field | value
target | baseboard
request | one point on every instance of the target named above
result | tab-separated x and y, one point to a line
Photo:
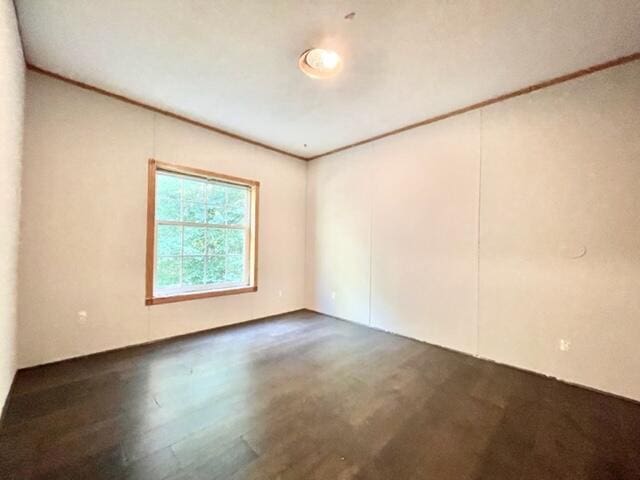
310	310
162	340
479	357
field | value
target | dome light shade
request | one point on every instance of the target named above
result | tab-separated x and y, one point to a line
320	63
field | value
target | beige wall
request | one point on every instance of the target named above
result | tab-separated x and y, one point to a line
11	112
465	233
84	221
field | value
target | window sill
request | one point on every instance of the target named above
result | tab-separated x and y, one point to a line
197	295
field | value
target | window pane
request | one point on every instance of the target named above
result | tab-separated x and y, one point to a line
215	241
234	215
169	240
215	214
236	206
193	190
235	241
216	194
236	195
168	272
168	186
193	212
194	240
235	268
215	269
193	270
167	208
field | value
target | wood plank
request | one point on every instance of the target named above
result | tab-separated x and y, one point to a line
307	396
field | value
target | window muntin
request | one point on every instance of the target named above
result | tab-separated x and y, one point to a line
202	231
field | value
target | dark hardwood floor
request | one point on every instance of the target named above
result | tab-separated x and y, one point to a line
303	396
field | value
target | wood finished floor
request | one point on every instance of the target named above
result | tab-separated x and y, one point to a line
303	396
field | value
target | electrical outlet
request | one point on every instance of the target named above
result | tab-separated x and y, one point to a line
82	316
565	345
280	293
333	295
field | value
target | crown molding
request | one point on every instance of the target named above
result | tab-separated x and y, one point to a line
159	110
500	98
459	111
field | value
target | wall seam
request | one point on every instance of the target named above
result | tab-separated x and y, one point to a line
480	154
153	155
305	263
153	138
370	243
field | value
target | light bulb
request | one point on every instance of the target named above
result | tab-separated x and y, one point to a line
320	63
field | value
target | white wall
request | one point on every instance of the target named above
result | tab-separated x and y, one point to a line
392	230
561	173
11	117
84	223
462	233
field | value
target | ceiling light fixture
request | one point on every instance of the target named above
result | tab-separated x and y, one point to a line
320	63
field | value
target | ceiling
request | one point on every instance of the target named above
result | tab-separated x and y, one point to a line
232	64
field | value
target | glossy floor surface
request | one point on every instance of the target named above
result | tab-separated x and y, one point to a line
303	396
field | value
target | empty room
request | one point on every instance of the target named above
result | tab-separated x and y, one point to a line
320	240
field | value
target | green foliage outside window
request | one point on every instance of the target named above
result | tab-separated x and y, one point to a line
201	236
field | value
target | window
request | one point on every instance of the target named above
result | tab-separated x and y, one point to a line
201	234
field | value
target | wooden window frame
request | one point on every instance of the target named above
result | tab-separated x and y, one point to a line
254	186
